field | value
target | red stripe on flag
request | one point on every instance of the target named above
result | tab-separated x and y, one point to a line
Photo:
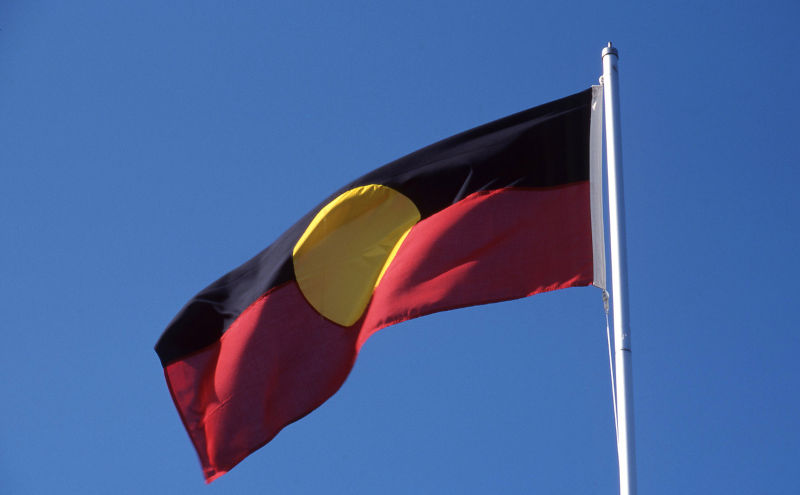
280	359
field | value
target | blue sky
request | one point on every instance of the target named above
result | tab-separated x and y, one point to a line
146	148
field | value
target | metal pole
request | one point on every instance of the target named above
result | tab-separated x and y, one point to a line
619	276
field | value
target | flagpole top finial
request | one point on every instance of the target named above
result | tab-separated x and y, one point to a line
610	50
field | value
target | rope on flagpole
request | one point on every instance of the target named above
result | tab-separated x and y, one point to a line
611	364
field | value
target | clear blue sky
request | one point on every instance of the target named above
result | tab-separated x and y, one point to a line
146	148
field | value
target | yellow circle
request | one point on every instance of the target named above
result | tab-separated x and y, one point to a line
344	252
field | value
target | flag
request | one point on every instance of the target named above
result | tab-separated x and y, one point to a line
506	210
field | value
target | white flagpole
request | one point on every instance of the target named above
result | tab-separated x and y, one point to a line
619	276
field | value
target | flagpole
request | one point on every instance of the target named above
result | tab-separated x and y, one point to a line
619	276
